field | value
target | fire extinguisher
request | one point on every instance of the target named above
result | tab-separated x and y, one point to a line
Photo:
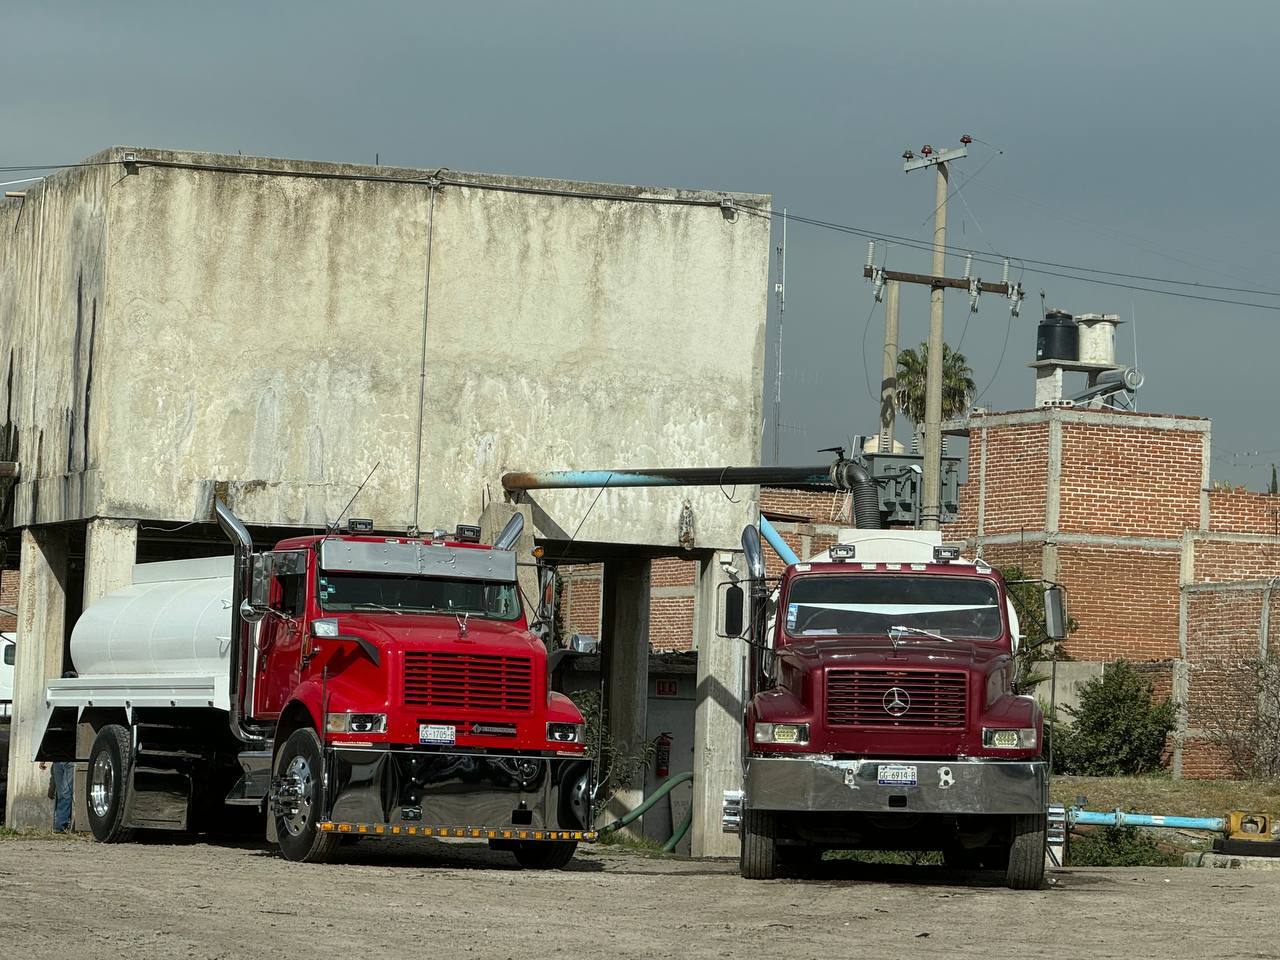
662	756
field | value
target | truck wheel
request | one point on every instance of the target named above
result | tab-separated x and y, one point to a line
545	855
759	859
1026	852
299	772
109	786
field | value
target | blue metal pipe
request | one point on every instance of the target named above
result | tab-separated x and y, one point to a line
1118	818
775	540
802	477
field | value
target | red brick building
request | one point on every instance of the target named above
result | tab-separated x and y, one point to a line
1160	567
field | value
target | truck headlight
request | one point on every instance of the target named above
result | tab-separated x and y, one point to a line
566	733
324	628
782	733
356	723
999	739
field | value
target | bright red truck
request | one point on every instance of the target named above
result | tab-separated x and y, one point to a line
352	684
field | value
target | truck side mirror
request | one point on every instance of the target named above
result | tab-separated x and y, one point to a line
255	605
1055	613
733	620
546	594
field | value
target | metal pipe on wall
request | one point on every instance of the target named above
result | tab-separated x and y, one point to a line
817	476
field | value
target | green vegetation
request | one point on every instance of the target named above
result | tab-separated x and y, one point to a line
1161	794
1027	595
1120	847
1118	728
957	382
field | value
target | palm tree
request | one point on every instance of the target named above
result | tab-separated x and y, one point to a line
957	382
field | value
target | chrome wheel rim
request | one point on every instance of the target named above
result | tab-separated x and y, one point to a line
101	777
301	787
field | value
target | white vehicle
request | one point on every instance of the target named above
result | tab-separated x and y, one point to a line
8	644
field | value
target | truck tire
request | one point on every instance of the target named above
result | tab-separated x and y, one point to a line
759	860
109	785
1026	852
300	767
545	855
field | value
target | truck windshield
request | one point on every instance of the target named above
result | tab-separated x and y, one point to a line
870	605
367	591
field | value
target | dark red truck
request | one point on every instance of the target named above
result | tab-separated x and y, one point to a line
880	711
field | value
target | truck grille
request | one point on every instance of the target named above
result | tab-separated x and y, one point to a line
468	681
880	698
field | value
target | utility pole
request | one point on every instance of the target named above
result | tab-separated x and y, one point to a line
780	288
931	495
889	368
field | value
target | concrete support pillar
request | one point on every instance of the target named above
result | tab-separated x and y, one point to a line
110	551
625	625
717	728
42	604
492	520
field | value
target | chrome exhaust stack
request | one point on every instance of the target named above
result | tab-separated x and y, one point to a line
243	617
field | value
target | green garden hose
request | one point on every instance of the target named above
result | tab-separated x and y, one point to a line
668	785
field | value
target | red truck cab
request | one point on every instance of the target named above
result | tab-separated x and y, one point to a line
409	696
880	713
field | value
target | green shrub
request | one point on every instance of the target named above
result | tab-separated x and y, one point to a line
1028	599
1119	847
1118	730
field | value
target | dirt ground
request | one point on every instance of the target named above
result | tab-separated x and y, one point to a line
63	898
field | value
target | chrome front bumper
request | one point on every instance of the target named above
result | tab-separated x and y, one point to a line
941	786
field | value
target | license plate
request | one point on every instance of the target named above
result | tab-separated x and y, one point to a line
441	733
896	775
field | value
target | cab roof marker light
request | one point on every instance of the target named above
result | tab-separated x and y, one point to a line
919	566
803	567
867	566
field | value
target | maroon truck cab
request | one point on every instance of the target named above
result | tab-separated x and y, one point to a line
880	714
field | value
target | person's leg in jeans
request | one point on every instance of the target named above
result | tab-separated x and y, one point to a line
64	779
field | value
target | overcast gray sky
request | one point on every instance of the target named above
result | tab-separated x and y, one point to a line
1135	137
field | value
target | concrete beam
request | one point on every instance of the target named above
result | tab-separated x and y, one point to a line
717	736
625	625
42	605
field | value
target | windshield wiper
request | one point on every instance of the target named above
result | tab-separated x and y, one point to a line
896	634
378	606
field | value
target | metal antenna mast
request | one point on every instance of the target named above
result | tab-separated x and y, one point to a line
780	288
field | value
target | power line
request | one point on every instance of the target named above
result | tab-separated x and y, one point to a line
982	258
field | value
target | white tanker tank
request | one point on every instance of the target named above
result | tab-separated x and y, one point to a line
171	627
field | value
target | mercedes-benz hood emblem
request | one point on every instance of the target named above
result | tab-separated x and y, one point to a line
896	701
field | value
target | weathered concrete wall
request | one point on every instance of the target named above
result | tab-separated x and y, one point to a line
265	332
53	253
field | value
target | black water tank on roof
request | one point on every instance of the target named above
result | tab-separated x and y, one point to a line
1058	337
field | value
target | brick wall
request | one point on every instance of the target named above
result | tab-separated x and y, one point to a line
671	602
1130	481
1017	475
814	507
1241	511
9	598
1125	601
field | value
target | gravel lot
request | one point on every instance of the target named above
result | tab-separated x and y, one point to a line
63	898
